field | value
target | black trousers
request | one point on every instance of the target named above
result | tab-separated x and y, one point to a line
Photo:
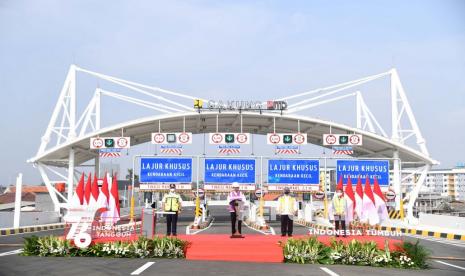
287	225
233	223
342	222
171	223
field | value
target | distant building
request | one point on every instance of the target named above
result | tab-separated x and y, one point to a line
37	196
448	183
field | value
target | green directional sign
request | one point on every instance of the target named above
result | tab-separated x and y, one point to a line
109	143
287	139
229	138
343	139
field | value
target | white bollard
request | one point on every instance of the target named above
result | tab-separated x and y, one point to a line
253	212
308	212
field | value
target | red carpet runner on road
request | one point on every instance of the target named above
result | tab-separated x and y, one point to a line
253	248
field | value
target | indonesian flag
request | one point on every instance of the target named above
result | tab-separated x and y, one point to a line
87	190
370	214
94	193
114	201
78	196
350	199
104	197
359	199
339	184
380	202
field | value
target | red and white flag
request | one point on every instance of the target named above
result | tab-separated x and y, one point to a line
380	202
94	193
370	213
359	199
104	198
350	199
88	190
114	201
78	196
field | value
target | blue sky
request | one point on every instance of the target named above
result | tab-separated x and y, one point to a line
248	49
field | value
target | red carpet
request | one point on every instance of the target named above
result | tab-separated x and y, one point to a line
253	248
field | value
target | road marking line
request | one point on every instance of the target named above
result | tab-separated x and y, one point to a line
330	272
201	230
259	231
456	266
142	268
439	240
17	251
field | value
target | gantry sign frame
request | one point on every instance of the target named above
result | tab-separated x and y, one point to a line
65	143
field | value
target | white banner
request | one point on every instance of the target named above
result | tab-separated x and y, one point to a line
227	188
150	187
297	188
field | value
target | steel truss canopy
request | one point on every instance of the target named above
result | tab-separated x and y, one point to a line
66	141
140	132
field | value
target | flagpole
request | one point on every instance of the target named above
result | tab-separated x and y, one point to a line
131	213
326	195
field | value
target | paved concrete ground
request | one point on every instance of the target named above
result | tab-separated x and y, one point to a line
19	265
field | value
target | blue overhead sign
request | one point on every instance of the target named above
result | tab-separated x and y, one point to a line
163	170
294	171
230	170
355	169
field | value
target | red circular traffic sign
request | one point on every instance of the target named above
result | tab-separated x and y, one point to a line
217	138
299	139
390	195
241	138
331	139
274	139
201	193
354	140
97	143
184	138
122	142
319	195
159	138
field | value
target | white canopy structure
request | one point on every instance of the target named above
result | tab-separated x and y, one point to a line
66	142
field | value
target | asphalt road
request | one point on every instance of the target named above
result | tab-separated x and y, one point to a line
19	265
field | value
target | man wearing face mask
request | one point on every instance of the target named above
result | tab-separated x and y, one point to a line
339	210
172	202
287	208
236	201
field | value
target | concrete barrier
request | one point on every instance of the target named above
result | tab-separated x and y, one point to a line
29	218
443	221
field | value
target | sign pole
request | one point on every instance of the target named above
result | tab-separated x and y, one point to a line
326	192
131	212
197	199
17	212
261	188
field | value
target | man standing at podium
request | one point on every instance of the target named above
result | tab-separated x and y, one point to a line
236	201
172	202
